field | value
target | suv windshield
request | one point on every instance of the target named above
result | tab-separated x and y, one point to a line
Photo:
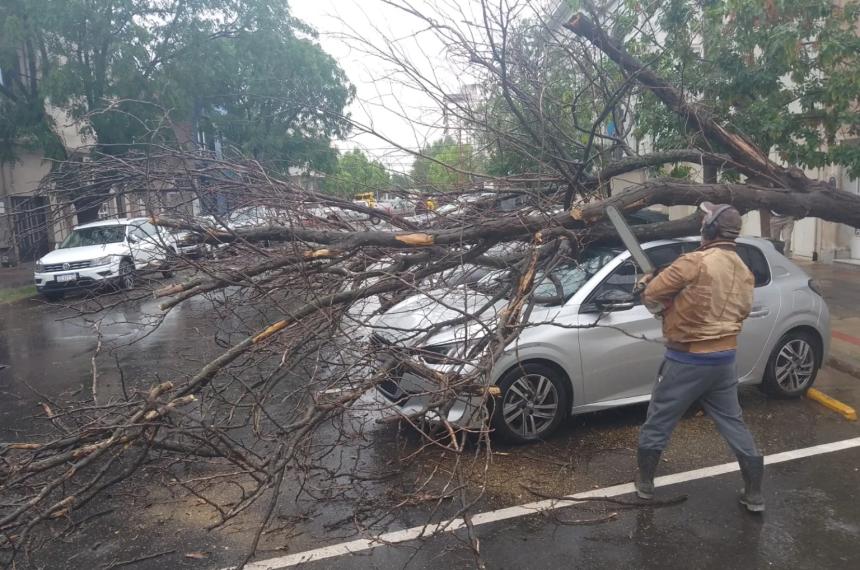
98	235
563	281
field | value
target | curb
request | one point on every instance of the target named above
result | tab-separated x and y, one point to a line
843	365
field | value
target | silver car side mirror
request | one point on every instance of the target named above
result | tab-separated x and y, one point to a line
615	300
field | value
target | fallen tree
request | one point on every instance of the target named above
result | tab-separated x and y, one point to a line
289	285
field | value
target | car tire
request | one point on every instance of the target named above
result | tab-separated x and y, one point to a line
54	296
792	366
170	263
534	401
126	275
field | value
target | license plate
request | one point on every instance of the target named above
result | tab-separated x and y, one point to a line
66	277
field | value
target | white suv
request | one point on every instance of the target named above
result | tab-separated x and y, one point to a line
104	253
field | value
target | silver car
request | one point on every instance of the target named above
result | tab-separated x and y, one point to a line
593	345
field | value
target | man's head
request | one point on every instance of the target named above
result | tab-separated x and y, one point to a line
721	221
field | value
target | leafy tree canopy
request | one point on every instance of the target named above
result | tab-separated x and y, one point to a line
786	73
245	69
356	174
444	165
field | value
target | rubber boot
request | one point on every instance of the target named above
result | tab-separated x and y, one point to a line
752	470
648	459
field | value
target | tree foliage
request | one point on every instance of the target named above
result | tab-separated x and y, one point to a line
245	69
444	165
355	173
786	73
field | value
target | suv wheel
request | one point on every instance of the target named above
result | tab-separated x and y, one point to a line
792	366
533	403
126	275
169	264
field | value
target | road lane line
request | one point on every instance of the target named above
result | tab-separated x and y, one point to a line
527	509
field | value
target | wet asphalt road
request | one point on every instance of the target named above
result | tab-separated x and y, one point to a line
811	523
814	509
49	352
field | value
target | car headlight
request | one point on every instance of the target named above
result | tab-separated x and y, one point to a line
445	353
39	266
106	260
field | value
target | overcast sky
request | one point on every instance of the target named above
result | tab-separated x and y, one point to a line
381	102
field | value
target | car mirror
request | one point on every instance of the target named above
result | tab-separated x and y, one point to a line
130	239
615	300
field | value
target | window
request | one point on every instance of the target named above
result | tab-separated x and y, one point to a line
137	232
624	276
755	260
564	280
98	235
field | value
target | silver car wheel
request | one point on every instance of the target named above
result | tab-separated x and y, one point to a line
795	365
126	275
530	405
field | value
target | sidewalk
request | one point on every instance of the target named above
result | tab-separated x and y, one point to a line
840	285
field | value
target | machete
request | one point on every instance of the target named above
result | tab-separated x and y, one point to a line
628	238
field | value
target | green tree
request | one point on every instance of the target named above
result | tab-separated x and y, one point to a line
356	174
787	73
444	165
242	68
23	118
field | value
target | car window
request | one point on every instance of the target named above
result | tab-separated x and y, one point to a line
154	232
569	277
755	260
665	255
624	276
137	231
98	235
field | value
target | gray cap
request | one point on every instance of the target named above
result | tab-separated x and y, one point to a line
728	219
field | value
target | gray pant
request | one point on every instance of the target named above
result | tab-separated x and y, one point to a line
781	228
678	386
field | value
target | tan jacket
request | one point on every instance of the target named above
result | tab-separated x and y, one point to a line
704	297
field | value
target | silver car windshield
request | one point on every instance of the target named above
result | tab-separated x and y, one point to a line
563	281
98	235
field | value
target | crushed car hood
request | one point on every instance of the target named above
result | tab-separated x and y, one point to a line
408	321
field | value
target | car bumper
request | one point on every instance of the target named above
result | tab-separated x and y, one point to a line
84	279
193	250
410	395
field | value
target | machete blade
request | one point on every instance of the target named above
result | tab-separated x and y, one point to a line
628	238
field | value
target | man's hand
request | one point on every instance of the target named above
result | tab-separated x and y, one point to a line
643	282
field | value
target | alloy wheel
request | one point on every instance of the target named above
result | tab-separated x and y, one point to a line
127	275
530	405
795	365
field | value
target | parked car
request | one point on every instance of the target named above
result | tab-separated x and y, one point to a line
251	216
105	253
189	244
592	345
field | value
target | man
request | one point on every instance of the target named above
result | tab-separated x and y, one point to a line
781	228
703	298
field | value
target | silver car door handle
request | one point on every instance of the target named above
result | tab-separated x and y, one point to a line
758	312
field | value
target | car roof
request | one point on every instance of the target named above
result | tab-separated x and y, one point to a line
112	222
751	240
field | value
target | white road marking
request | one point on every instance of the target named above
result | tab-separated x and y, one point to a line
530	508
